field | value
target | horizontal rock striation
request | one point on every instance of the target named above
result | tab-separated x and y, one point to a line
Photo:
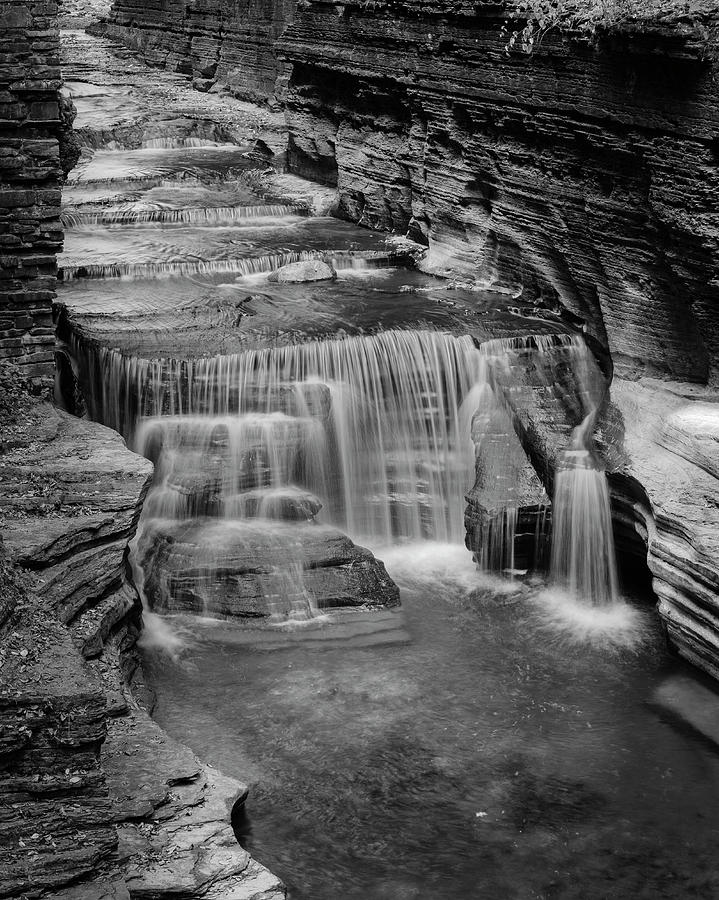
35	153
586	175
95	801
231	44
668	442
243	569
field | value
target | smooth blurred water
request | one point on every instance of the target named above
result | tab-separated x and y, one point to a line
496	755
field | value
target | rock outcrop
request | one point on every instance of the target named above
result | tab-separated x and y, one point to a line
97	801
71	496
35	127
585	174
666	439
245	569
219	44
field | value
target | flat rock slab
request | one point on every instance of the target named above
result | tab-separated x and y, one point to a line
690	703
173	817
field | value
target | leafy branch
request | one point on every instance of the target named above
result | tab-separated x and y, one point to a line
587	17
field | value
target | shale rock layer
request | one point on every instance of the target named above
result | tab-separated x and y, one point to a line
34	124
585	174
232	44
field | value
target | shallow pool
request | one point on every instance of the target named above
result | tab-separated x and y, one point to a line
492	755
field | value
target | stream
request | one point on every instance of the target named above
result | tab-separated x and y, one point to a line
486	740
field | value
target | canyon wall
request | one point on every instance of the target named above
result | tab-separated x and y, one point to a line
34	123
585	175
230	43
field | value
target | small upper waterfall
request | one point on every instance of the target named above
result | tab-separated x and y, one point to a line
583	558
558	376
208	215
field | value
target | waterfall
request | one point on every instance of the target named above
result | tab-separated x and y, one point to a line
178	143
583	559
544	382
372	425
254	265
193	215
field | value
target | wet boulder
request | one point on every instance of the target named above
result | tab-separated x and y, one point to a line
307	270
254	569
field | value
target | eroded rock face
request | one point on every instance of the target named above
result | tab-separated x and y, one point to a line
230	44
36	151
584	174
668	441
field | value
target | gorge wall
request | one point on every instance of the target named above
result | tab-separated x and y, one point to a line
582	175
95	801
586	175
228	43
34	124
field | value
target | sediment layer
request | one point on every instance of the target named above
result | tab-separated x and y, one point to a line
37	150
230	45
586	174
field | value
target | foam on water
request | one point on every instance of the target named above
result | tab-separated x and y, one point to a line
618	626
158	633
448	567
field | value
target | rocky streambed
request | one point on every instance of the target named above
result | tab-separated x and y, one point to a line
195	263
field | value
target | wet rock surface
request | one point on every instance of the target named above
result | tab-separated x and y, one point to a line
669	440
221	45
586	174
239	569
303	271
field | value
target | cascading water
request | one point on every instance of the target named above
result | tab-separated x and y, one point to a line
559	373
370	430
583	558
370	424
212	215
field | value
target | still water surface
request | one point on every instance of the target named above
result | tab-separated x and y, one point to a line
493	755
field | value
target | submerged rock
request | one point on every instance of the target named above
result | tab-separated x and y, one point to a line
286	504
307	270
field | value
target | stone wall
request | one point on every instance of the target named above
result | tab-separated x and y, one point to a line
231	43
32	122
587	175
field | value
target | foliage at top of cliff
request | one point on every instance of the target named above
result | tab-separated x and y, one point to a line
696	19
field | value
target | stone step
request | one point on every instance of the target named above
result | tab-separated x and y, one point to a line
340	628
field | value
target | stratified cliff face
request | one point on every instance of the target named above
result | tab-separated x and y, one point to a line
586	174
232	43
34	125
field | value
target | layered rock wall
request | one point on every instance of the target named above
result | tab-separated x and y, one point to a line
585	174
231	43
33	121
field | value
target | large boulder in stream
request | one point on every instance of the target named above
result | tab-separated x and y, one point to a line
307	270
256	569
